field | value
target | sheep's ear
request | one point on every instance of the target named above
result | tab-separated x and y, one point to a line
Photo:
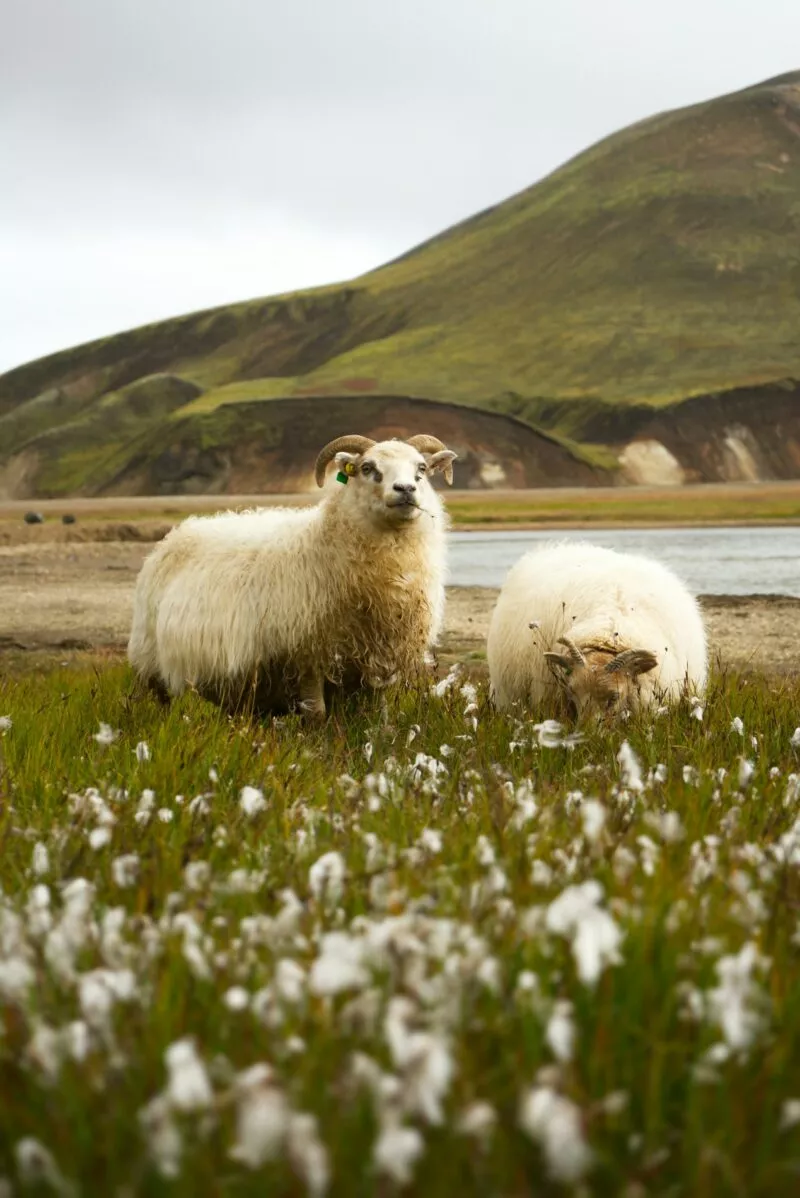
632	662
558	661
343	458
443	460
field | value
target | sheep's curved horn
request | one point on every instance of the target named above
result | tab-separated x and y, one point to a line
350	444
632	662
433	447
573	652
425	443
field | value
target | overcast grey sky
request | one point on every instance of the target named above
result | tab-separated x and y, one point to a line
159	156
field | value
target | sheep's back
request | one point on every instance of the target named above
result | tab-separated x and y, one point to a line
597	596
232	590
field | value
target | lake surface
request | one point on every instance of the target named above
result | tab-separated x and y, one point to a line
712	561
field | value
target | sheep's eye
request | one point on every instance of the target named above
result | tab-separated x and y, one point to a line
367	468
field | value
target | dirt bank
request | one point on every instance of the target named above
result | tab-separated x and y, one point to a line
62	598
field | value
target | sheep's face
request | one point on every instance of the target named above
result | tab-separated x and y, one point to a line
389	482
596	682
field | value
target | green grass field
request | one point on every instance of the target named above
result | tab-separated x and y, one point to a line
629	508
431	947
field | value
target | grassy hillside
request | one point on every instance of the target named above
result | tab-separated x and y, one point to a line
662	263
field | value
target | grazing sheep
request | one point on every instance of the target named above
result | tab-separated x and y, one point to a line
629	632
274	603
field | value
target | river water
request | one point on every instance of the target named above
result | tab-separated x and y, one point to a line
712	561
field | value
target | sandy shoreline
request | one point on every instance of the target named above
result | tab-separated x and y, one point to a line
73	597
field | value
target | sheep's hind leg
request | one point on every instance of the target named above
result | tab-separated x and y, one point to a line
311	696
154	687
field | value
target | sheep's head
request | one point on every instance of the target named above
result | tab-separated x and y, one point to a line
388	480
598	680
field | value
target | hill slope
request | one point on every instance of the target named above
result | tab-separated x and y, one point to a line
660	266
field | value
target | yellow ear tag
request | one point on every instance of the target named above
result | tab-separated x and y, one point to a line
345	475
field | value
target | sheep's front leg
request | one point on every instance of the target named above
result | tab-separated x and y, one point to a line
311	695
155	687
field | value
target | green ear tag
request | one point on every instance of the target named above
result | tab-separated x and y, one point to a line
341	477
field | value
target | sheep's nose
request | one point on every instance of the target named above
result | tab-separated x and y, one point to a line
404	488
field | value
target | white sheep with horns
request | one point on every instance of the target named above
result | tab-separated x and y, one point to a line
270	605
597	629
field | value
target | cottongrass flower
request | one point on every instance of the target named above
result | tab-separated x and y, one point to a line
629	768
125	870
36	1166
145	806
555	1124
100	989
440	689
795	740
99	838
251	801
326	878
236	998
430	840
196	875
550	735
162	1136
560	1031
308	1154
40	863
667	824
790	1114
7	723
290	981
142	751
792	792
737	726
396	1152
424	1060
593	818
188	1086
106	735
738	1005
746	771
262	1118
478	1121
594	936
16	980
339	966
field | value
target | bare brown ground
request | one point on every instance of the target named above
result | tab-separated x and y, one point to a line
148	516
124	504
62	600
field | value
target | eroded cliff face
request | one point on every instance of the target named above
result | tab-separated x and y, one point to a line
273	446
747	435
264	446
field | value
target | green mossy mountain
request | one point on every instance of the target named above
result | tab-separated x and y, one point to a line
647	292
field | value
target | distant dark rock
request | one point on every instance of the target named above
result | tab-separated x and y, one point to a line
33	518
68	518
